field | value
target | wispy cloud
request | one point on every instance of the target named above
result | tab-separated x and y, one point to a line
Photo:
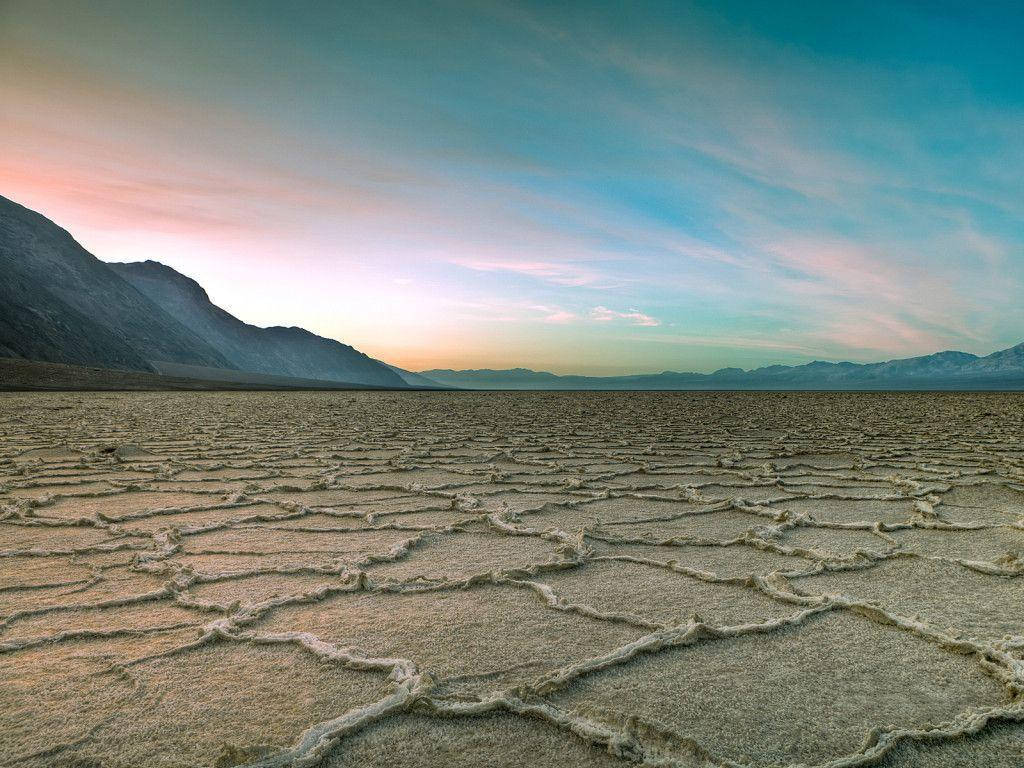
632	316
566	274
555	315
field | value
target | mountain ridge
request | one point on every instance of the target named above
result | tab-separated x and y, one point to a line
949	369
278	350
61	304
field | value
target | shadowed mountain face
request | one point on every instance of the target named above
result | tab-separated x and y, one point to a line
943	370
277	350
59	303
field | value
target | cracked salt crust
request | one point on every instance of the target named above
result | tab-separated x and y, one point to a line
424	579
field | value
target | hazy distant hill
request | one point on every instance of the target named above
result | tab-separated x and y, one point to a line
276	350
59	303
943	370
413	379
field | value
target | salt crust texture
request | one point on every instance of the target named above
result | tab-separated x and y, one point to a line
544	579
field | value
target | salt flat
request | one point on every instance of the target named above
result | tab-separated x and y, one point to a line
491	579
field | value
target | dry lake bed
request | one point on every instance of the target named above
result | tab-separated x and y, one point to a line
499	579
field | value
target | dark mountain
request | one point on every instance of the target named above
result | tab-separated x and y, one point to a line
276	350
943	370
59	303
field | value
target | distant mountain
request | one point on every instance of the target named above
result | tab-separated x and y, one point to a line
276	350
60	304
943	370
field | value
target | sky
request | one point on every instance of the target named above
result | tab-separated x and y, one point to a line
583	187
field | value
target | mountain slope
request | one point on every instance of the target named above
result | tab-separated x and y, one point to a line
59	303
279	351
944	370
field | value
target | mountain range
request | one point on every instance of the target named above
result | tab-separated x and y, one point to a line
60	304
943	370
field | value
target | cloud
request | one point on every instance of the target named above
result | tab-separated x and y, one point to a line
566	274
554	315
633	316
497	309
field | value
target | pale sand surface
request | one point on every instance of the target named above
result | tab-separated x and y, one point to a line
505	579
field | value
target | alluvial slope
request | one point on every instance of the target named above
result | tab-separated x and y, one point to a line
279	351
468	579
61	304
18	375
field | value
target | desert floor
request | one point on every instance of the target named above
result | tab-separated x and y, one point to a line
492	579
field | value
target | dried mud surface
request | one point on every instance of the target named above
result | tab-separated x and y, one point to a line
492	579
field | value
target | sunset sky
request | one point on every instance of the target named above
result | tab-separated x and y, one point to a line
576	187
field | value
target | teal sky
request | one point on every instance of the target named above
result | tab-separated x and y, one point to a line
576	187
